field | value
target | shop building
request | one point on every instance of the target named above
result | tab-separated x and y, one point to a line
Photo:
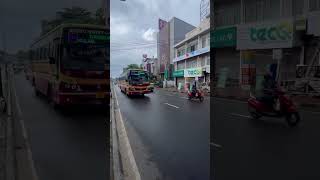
192	56
170	33
248	35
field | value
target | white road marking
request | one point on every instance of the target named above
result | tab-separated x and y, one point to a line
244	102
127	142
240	115
172	105
184	97
230	100
215	145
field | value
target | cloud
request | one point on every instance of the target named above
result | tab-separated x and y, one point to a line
134	24
149	35
117	27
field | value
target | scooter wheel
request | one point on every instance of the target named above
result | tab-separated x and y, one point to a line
253	113
293	119
201	99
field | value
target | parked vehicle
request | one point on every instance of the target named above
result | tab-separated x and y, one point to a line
283	108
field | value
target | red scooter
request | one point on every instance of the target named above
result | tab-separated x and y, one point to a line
198	95
284	107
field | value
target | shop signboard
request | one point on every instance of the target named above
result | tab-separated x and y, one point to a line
224	37
193	72
270	35
178	73
192	54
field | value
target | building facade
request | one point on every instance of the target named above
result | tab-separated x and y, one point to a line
250	35
150	65
170	33
192	56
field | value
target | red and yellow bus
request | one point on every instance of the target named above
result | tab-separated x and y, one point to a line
70	65
134	82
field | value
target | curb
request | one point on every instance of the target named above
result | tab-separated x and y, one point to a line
126	158
24	161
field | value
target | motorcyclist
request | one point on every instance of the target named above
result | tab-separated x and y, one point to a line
268	89
194	89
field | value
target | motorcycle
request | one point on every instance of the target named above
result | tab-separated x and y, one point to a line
282	108
197	95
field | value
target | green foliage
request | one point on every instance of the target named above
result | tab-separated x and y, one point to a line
132	66
75	15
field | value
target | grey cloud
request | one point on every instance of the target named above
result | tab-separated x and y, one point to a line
140	15
20	19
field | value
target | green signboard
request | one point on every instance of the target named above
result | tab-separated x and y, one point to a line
178	73
224	37
193	72
166	74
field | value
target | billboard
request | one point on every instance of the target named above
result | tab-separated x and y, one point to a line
163	45
276	34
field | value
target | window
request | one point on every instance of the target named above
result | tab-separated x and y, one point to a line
203	41
203	61
180	52
192	48
297	8
192	63
227	14
180	65
208	60
314	5
261	10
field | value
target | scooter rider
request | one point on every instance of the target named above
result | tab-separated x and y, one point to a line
269	86
194	89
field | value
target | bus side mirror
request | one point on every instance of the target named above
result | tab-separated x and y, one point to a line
52	60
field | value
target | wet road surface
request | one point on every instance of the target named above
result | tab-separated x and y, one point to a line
266	149
70	144
173	131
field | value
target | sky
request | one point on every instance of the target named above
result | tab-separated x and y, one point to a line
20	19
134	24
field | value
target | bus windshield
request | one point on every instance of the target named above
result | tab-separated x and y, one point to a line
85	50
138	77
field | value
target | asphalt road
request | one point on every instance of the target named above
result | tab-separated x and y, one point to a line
169	135
70	144
266	149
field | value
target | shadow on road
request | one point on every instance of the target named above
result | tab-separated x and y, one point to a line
85	111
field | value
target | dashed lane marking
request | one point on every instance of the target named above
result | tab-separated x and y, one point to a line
184	98
172	105
240	115
215	145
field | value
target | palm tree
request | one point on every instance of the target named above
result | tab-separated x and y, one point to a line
73	15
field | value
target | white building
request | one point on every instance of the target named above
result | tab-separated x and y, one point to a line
192	56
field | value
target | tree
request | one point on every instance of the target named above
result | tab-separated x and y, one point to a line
76	15
132	66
